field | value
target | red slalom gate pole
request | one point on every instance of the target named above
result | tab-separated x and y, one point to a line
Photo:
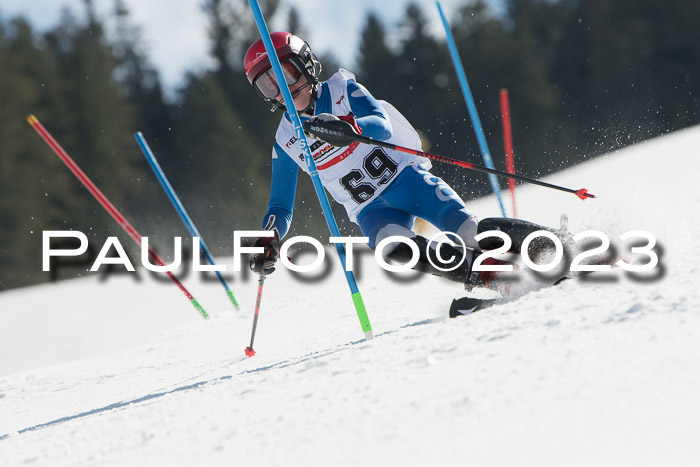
508	144
106	204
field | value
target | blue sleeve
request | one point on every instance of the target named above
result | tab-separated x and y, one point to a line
282	191
368	112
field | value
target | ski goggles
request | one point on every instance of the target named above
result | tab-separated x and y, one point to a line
266	83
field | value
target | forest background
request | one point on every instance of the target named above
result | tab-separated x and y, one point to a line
584	78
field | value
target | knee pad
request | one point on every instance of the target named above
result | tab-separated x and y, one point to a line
468	230
390	230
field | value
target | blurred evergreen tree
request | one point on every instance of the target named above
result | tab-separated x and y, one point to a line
139	80
583	77
91	115
376	63
631	69
31	197
220	168
294	24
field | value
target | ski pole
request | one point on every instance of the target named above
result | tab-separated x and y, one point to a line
186	219
340	134
249	350
293	115
471	108
106	204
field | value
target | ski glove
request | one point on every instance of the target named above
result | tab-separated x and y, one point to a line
264	263
353	123
329	121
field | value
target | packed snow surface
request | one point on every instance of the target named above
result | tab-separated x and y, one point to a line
596	371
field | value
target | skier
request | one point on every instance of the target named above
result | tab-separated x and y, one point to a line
382	190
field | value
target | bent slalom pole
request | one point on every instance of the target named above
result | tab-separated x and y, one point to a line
471	107
311	164
107	205
249	350
186	219
340	134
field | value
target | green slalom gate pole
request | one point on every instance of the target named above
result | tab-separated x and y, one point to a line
311	164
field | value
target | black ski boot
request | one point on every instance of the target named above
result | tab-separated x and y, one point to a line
518	230
454	263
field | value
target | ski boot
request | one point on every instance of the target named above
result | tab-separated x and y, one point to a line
518	230
451	262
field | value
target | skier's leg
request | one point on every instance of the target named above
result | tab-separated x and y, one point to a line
424	195
417	192
380	222
430	198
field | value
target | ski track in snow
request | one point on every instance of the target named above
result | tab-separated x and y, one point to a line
595	371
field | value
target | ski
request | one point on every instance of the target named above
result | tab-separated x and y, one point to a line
468	305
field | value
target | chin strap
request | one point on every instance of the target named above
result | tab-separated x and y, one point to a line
274	104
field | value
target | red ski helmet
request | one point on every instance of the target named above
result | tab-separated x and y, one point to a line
296	58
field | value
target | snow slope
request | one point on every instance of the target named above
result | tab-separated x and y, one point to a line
592	372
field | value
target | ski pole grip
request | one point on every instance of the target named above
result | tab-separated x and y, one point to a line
336	132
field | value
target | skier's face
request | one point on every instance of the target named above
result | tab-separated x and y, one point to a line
301	93
298	82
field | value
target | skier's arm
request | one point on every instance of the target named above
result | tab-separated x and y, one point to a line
368	112
282	191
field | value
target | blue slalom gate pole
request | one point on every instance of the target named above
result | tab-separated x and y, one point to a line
311	164
181	210
471	106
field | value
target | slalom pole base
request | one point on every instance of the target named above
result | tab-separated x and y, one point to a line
199	308
233	300
369	335
249	351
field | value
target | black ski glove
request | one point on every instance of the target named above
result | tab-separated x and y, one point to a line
264	263
339	132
